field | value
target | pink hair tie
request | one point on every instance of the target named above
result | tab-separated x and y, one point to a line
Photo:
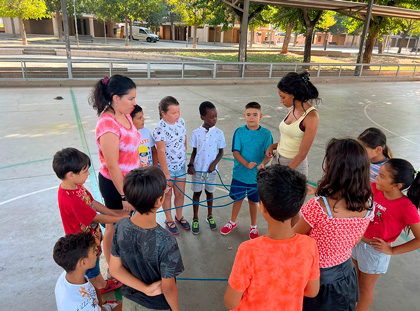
105	80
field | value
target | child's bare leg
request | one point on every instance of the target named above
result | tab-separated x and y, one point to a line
366	286
196	198
236	207
209	203
98	281
253	212
167	205
107	241
179	196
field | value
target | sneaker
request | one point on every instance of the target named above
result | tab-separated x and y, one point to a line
110	286
228	228
195	229
211	222
253	233
183	222
171	227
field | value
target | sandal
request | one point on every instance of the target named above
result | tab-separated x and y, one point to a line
183	222
171	227
110	286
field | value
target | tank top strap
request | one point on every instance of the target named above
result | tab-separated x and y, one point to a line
327	206
307	112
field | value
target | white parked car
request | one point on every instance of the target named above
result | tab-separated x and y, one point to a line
144	34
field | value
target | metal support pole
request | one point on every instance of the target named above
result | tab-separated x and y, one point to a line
75	22
364	35
380	69
271	71
23	69
214	71
110	69
319	71
339	73
244	33
66	37
148	70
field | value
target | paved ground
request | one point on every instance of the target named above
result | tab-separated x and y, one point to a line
34	126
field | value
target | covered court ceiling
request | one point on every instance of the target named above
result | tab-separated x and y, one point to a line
345	7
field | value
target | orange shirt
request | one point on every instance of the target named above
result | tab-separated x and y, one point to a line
273	274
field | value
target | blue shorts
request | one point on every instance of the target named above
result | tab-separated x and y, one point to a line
181	173
93	272
239	190
369	260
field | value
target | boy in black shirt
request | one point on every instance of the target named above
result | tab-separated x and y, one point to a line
142	251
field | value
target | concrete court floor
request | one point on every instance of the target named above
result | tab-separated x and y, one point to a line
34	126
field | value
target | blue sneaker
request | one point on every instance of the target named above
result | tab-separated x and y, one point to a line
171	227
211	222
183	222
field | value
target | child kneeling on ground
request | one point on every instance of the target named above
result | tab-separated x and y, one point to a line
275	271
144	256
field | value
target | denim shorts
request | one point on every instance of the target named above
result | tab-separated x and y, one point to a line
369	260
239	190
181	173
93	272
207	180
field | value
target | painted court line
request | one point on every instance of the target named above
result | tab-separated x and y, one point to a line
27	195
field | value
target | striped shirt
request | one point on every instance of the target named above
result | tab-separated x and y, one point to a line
374	169
128	157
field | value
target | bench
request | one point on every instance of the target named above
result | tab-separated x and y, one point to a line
86	38
191	39
332	43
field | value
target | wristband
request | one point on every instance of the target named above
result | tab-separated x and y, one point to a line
190	165
123	198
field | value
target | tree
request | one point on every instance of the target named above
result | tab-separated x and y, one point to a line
310	18
23	10
405	27
55	6
218	15
326	23
192	12
285	18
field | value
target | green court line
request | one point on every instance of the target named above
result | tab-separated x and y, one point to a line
25	163
92	177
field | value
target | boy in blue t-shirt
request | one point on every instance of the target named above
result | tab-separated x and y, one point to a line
147	148
249	145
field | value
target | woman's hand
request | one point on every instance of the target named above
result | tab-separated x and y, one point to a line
269	153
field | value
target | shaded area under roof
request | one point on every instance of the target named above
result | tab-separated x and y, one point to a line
345	7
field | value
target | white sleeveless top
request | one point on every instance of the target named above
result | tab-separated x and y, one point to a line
291	136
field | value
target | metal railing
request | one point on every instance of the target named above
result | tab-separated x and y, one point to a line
50	69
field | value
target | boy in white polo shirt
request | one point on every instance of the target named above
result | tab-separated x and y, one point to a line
207	142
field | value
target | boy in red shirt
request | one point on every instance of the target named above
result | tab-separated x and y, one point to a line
78	209
275	271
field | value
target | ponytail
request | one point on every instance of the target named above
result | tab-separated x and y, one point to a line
403	172
105	89
374	137
300	86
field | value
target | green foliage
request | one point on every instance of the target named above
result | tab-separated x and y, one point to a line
24	9
327	21
191	11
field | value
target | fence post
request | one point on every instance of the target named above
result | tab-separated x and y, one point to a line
243	70
380	69
295	67
271	70
23	68
398	71
110	69
319	71
148	71
361	70
414	72
182	72
339	73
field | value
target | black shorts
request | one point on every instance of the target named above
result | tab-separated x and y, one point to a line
338	291
112	197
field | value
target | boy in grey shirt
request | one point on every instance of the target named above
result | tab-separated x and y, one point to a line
142	251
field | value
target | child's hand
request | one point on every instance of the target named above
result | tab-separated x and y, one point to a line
154	289
269	153
127	207
191	170
212	168
381	246
251	165
261	166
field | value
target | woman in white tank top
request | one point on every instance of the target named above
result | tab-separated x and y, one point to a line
298	129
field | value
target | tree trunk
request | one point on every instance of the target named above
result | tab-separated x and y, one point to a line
131	30
23	31
308	44
401	43
172	29
295	39
215	35
370	43
58	19
195	37
287	37
352	40
126	31
13	27
380	47
325	41
251	40
105	31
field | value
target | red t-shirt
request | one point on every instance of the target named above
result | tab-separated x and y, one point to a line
129	141
391	216
76	209
273	274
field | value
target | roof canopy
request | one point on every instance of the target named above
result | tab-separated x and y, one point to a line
345	7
